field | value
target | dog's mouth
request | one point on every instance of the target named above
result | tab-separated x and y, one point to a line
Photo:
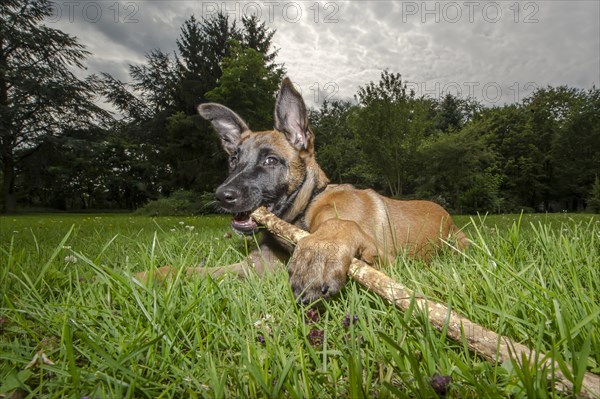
243	223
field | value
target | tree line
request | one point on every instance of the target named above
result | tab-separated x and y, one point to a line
542	154
60	150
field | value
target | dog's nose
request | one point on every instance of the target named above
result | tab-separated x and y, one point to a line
227	196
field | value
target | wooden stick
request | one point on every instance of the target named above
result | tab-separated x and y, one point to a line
486	343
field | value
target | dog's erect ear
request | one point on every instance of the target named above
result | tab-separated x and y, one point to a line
291	117
226	122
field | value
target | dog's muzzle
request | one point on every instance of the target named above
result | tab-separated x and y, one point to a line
231	199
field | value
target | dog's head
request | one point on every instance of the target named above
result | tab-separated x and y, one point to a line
267	167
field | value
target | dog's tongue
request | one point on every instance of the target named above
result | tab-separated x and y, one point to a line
243	222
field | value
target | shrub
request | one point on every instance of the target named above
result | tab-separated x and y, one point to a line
180	203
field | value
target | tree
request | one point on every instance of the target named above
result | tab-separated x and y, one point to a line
338	150
247	86
195	157
508	132
453	112
201	46
594	196
129	174
258	37
458	170
390	125
206	47
64	173
389	89
575	149
547	110
39	95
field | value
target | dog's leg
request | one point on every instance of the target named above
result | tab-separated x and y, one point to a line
319	265
166	272
260	261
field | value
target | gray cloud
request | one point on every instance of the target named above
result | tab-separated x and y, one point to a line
477	48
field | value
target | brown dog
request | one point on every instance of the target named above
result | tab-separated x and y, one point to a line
277	169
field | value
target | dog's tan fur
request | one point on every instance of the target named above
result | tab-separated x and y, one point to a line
344	222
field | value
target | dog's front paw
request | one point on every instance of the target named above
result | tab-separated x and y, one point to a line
318	268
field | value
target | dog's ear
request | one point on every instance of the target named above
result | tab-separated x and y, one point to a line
226	122
291	117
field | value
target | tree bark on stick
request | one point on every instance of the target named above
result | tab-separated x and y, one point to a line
486	343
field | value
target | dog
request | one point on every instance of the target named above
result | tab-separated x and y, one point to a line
277	169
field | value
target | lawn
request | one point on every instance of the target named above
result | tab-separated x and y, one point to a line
73	323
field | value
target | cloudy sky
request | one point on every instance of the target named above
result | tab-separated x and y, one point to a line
497	51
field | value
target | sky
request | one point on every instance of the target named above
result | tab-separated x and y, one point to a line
495	51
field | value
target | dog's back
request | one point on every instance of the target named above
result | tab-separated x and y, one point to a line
417	228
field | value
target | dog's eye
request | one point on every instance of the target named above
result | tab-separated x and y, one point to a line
233	159
271	161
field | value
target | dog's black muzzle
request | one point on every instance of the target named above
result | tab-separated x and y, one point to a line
240	204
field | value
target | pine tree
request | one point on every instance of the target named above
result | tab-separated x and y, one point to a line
39	95
248	87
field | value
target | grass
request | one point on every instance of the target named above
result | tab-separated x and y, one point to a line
67	297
